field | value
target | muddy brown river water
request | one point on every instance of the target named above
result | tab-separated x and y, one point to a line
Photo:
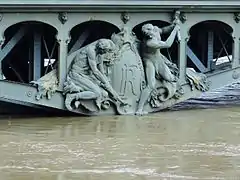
198	139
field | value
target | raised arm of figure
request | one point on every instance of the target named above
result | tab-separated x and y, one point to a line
167	29
164	44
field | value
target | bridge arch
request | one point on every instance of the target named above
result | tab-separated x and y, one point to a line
172	52
139	18
29	51
13	19
210	44
88	32
198	21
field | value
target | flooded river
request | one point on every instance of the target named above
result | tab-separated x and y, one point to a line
198	139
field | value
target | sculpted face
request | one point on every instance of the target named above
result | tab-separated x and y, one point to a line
148	30
105	45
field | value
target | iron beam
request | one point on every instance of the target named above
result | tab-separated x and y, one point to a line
25	94
62	64
210	50
12	43
195	60
82	38
37	59
236	51
182	63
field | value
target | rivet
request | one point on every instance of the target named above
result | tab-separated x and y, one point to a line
236	75
29	93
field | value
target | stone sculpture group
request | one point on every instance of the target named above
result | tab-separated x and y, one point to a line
122	74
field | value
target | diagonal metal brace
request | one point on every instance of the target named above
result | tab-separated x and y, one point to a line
195	60
12	42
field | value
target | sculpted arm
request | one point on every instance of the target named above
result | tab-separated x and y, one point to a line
101	68
101	77
167	29
93	65
163	44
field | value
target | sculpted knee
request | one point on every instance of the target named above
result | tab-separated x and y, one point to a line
104	93
169	77
97	92
151	86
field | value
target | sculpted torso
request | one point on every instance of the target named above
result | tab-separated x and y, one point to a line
150	53
81	61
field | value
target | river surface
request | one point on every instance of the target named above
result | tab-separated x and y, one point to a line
197	139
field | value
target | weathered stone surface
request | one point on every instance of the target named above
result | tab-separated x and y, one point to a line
124	75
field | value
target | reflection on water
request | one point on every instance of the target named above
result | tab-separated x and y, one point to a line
186	144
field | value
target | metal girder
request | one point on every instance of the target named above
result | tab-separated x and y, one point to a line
49	55
37	56
210	49
222	78
26	94
82	38
195	60
217	80
13	42
223	47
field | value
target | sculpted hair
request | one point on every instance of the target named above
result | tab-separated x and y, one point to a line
105	44
155	28
146	25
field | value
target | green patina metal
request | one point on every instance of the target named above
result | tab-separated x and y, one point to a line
116	57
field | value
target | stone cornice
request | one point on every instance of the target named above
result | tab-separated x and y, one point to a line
115	6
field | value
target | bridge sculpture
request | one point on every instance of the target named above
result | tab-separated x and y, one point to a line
123	68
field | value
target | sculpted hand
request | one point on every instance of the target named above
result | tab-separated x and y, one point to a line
177	27
176	22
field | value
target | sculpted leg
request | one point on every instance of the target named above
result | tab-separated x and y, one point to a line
166	74
94	88
85	95
151	81
90	90
88	85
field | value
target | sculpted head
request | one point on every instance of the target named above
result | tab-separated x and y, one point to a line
104	46
149	30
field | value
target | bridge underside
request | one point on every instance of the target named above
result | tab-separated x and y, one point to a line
42	55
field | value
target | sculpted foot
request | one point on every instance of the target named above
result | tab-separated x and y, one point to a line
124	103
77	104
140	112
98	103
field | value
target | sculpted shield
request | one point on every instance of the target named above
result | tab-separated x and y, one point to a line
127	77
